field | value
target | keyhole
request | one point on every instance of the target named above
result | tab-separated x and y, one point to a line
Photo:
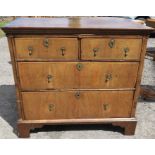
50	107
62	51
105	106
126	50
77	95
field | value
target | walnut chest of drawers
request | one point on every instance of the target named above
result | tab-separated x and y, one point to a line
77	70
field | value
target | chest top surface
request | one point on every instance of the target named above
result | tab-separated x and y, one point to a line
76	25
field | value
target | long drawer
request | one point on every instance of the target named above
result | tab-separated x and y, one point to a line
111	48
84	75
76	104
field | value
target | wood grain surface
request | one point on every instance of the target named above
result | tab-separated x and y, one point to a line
58	48
99	48
76	25
81	70
65	75
66	104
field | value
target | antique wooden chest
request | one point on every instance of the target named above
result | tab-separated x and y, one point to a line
81	70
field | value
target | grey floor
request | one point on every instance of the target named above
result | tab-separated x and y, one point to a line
8	112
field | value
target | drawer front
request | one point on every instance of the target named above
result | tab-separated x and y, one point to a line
68	75
46	48
110	48
77	104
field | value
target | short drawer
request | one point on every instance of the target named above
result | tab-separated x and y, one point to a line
68	75
110	48
76	104
46	48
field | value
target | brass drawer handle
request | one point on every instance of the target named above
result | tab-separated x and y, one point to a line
95	50
126	50
45	43
30	49
112	43
62	49
79	66
77	95
49	78
50	107
105	106
108	77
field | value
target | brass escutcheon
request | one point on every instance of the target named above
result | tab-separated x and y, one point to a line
108	77
126	50
77	95
62	49
79	66
95	50
45	43
112	43
50	107
105	106
49	78
30	49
